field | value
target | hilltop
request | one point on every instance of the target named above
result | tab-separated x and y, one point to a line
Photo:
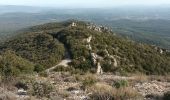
78	60
89	46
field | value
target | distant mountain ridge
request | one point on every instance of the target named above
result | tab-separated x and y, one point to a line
146	25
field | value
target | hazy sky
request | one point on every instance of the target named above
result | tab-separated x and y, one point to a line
83	3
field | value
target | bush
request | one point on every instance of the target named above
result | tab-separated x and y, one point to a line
101	91
89	80
38	68
12	65
166	96
106	92
40	48
127	93
61	69
22	84
121	83
42	89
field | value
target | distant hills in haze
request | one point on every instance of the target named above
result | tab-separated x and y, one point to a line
143	24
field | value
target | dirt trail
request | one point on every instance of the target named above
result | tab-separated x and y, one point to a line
64	62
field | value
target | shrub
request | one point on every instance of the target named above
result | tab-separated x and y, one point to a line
38	68
40	48
89	80
106	92
42	89
166	96
121	83
101	91
61	69
127	93
22	84
12	65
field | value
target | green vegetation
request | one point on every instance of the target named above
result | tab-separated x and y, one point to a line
131	56
38	68
155	32
89	80
42	89
39	48
12	65
121	83
166	96
44	49
105	92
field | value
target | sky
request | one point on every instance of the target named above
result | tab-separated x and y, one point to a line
83	3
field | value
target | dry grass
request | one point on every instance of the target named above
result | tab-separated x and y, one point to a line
101	87
87	76
165	78
126	92
144	78
4	95
102	91
63	94
140	78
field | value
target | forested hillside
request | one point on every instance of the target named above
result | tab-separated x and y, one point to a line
90	46
144	25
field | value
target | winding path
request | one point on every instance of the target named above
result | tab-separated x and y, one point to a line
64	62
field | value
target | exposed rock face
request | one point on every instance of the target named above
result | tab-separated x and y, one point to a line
73	24
99	68
115	63
98	28
95	57
22	92
89	39
89	47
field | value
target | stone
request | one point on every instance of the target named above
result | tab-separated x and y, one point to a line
99	69
73	24
21	92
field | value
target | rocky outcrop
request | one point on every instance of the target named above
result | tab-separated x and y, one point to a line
99	68
89	39
89	47
98	28
95	58
73	24
96	61
115	63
